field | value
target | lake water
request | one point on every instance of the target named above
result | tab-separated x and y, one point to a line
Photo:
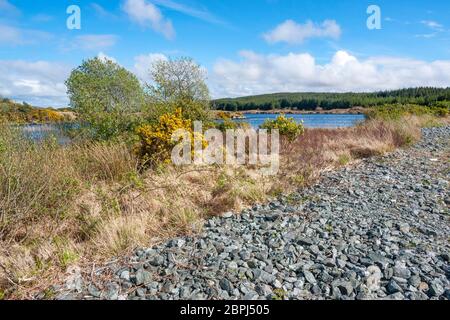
39	132
310	120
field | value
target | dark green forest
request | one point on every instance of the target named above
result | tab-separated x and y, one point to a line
425	96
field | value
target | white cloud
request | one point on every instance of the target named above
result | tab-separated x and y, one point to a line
432	25
143	64
103	57
94	42
294	33
39	83
148	15
13	36
7	8
201	14
42	82
258	74
102	12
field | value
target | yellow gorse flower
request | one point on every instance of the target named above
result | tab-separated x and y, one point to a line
156	139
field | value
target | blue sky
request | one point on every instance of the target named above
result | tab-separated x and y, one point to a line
246	46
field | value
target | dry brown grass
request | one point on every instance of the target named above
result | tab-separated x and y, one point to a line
85	204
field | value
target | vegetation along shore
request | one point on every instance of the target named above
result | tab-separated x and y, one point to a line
66	209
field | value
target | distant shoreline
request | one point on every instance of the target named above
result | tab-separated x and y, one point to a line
355	110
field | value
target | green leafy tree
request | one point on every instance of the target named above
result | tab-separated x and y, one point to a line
105	96
179	83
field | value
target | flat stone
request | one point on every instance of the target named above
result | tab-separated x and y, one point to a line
309	277
143	277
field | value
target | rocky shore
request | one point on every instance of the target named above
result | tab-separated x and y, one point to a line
378	229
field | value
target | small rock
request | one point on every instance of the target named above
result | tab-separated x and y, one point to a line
414	281
305	241
402	272
226	285
423	286
112	291
143	277
94	291
309	277
374	278
345	287
393	287
436	289
228	215
125	275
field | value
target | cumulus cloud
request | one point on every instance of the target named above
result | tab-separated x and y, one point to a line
148	15
258	74
14	36
40	83
294	33
143	65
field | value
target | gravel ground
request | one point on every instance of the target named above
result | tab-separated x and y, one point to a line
376	230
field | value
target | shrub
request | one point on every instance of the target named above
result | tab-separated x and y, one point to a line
442	109
223	115
286	126
226	124
45	115
398	111
156	138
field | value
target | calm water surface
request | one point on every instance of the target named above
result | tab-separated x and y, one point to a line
310	120
39	132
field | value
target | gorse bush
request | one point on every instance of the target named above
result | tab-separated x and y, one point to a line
156	141
14	112
286	126
228	124
223	115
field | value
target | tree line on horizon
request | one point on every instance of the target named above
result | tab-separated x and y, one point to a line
423	96
12	111
20	113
